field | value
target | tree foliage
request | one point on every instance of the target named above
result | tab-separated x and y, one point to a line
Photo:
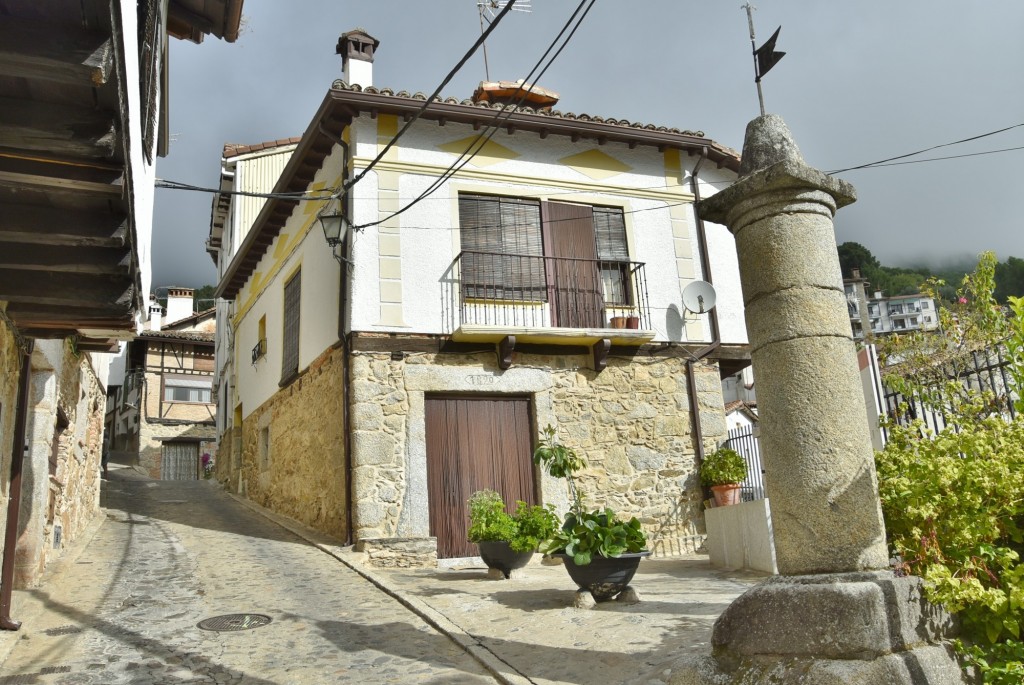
953	499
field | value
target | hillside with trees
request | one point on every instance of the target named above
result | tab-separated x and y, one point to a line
899	280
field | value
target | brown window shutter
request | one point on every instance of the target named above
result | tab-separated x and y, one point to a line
290	345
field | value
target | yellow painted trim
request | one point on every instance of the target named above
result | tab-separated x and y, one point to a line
285	246
673	194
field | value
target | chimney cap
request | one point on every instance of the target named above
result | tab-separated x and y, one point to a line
356	44
513	91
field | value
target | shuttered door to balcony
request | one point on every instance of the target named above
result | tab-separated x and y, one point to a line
474	443
180	461
574	279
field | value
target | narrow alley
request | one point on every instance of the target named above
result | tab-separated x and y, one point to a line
172	554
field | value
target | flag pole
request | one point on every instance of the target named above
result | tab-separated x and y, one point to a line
753	46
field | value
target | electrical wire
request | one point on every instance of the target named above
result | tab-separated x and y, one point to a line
491	129
927	149
297	195
878	165
451	74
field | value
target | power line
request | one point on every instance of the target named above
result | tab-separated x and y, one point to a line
938	159
927	149
297	195
451	74
492	128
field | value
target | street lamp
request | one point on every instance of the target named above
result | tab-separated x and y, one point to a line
334	225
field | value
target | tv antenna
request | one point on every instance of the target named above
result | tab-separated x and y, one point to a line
699	297
489	10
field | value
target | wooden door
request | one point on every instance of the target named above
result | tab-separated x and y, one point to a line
180	461
575	291
474	443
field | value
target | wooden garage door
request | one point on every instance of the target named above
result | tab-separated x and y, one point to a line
474	443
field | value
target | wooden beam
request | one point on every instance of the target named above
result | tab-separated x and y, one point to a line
60	227
57	129
71	290
47	183
181	15
60	53
51	315
504	350
600	352
80	260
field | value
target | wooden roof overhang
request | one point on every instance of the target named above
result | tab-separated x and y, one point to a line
68	253
343	103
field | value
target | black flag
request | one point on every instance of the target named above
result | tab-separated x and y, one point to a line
766	55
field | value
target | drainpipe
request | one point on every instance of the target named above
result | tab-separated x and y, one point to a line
343	336
14	490
705	263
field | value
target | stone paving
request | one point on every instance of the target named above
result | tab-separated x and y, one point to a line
124	608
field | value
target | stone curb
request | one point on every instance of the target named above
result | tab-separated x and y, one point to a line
25	611
504	672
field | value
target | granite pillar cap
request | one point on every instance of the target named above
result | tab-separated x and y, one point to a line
771	162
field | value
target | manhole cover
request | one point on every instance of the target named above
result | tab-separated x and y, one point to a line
234	622
63	630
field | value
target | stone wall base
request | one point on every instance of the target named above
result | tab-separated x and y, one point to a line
830	629
399	552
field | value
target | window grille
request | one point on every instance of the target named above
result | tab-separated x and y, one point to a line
290	345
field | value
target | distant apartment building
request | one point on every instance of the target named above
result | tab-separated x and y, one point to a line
873	313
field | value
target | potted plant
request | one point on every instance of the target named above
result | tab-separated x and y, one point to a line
723	470
507	541
601	552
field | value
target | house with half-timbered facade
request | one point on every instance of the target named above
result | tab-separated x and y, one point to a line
407	313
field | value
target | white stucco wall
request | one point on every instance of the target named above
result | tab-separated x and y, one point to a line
300	245
429	238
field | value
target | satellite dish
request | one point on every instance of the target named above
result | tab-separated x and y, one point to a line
699	297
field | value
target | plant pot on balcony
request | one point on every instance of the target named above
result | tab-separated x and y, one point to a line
633	322
619	321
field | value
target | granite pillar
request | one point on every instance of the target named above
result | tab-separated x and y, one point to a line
837	614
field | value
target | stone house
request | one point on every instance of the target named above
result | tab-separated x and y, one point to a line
379	377
164	413
84	121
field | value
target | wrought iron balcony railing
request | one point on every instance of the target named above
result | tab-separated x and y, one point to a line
533	291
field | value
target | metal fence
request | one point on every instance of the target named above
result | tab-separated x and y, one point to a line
978	372
746	443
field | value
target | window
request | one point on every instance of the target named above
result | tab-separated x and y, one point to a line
503	238
925	305
187	389
610	233
290	345
505	241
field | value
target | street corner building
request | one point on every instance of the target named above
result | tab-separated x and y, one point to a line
376	366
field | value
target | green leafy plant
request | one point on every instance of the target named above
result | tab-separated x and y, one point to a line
523	531
723	467
953	499
535	524
488	520
584	534
587	534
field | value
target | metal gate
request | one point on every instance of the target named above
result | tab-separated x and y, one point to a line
180	461
474	443
747	444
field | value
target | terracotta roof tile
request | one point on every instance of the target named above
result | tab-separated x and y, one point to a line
194	336
236	149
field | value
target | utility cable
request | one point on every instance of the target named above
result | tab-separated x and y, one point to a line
451	74
927	149
938	159
481	138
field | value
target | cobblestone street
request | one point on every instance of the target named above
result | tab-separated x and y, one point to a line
171	554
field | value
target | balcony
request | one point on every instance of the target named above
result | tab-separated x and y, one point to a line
547	300
904	310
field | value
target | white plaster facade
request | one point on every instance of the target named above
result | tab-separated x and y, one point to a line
394	282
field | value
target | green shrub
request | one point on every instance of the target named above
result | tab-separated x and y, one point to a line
722	467
488	520
535	524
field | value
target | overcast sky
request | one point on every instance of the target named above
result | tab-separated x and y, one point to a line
861	81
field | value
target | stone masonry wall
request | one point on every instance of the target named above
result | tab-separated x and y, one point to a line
631	421
303	473
10	367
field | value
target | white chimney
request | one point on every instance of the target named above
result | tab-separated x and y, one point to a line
179	303
156	314
356	48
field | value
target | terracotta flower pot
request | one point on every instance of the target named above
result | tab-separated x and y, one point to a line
726	494
632	322
618	322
